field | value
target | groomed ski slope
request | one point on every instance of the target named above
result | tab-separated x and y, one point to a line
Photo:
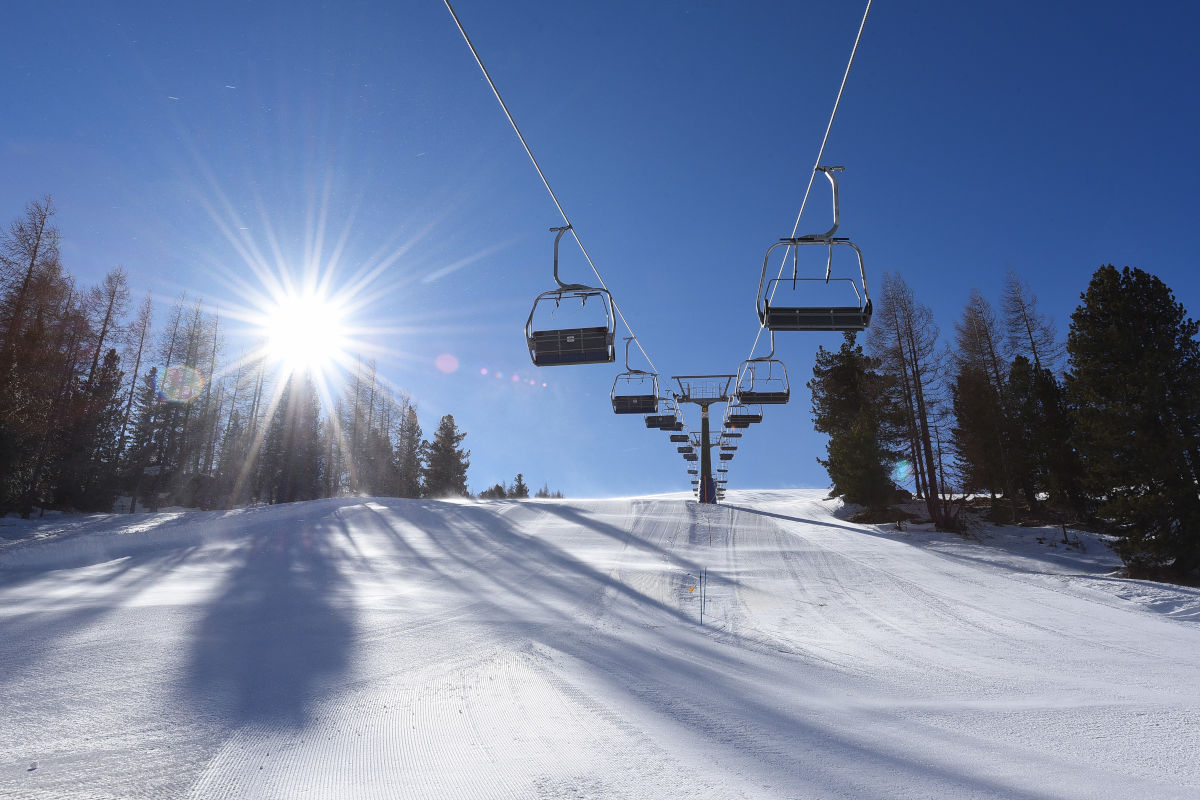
385	648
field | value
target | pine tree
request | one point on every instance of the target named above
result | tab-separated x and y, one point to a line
293	452
408	456
1134	389
519	490
498	491
141	458
849	407
87	473
446	463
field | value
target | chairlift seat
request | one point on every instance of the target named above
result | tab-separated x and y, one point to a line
751	397
743	420
687	448
731	434
572	346
726	456
635	403
690	457
679	437
661	421
815	318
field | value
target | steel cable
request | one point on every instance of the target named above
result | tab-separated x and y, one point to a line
546	183
820	154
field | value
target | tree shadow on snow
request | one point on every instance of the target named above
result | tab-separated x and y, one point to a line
279	634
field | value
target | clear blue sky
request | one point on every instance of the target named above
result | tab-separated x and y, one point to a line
178	137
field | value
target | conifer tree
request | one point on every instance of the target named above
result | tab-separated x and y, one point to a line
446	463
408	457
1134	389
293	451
519	489
498	491
849	407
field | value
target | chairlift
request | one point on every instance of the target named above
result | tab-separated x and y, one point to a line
725	456
691	457
740	415
634	391
812	317
668	417
730	434
693	471
687	448
679	437
763	380
587	344
728	448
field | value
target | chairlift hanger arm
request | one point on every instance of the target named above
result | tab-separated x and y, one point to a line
566	286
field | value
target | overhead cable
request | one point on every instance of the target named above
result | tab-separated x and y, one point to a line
820	154
545	182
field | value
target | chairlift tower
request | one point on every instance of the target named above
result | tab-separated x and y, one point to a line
704	390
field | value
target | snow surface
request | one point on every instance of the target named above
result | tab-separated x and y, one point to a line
398	648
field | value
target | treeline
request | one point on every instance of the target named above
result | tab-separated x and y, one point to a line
1100	429
96	402
519	490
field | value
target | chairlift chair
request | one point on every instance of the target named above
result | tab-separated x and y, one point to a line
763	380
634	391
687	448
679	437
739	415
691	457
725	456
693	471
588	344
667	418
730	434
812	317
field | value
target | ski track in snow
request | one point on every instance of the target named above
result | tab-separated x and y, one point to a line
381	648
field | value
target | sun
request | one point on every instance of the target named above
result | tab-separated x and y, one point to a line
305	332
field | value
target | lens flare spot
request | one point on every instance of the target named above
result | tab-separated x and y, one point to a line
446	363
483	370
180	384
516	378
902	472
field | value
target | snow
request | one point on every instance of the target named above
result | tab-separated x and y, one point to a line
400	648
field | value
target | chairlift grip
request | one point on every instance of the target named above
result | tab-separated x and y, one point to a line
570	286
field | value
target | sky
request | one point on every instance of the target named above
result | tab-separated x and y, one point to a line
223	149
